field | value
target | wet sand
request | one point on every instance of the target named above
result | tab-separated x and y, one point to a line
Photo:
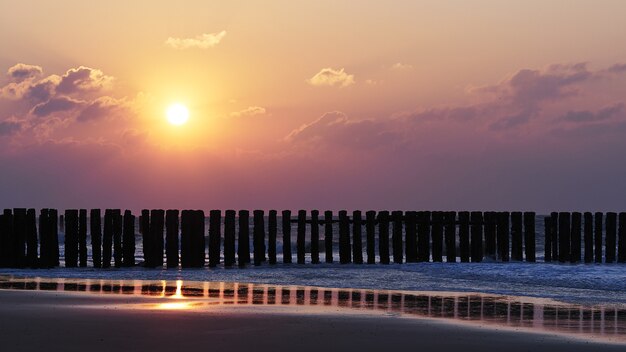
68	321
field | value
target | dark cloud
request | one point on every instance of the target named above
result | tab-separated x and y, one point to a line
10	127
99	109
590	116
56	105
83	79
617	68
21	72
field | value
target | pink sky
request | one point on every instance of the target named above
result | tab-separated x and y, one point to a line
490	105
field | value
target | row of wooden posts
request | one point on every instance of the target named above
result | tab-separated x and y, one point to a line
415	236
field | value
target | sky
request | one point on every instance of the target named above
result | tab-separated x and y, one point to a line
408	105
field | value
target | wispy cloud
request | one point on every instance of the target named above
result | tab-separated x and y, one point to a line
202	41
401	66
249	111
331	77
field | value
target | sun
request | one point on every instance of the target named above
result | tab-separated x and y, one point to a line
177	114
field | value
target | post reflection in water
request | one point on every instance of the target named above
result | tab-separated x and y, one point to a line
604	322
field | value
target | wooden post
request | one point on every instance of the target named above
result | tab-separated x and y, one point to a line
156	234
171	237
423	236
575	250
6	238
19	237
370	233
476	221
464	236
328	236
32	260
95	228
117	238
258	236
598	237
564	236
344	238
490	235
396	236
410	229
547	226
621	249
272	231
286	219
301	239
529	236
502	234
588	237
611	237
383	236
128	239
82	238
215	237
71	237
357	241
53	216
199	245
146	237
243	250
516	237
44	240
554	218
437	235
186	223
450	235
315	237
229	237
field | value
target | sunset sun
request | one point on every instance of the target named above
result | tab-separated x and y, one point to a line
177	114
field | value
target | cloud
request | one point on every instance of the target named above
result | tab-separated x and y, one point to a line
202	41
57	104
21	72
331	77
83	79
100	108
401	66
617	68
11	126
591	116
250	111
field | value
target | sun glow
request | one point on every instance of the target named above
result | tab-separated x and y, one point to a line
177	114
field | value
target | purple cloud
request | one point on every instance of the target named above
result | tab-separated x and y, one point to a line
56	105
21	72
83	79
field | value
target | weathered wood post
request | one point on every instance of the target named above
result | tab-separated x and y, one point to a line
464	236
230	217
396	236
95	228
476	221
547	226
383	236
44	240
621	249
32	260
117	238
575	246
370	234
410	230
564	236
611	237
344	238
450	235
82	238
157	224
286	220
258	236
215	237
490	235
272	232
328	236
554	218
128	239
199	245
146	238
186	224
71	237
516	236
598	236
243	250
423	236
437	235
301	239
502	234
357	240
53	216
171	237
588	233
529	236
315	237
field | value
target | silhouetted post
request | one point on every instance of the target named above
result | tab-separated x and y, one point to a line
547	226
611	237
423	236
243	250
598	236
357	241
464	236
71	237
198	243
95	229
286	219
6	238
437	235
146	238
117	238
328	236
31	239
315	237
476	220
19	237
554	218
370	234
396	236
272	232
588	237
575	250
128	239
301	239
383	236
529	236
171	237
344	238
450	235
229	237
44	240
516	236
156	234
258	236
53	216
502	233
410	230
621	249
81	237
564	236
186	224
215	237
490	235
